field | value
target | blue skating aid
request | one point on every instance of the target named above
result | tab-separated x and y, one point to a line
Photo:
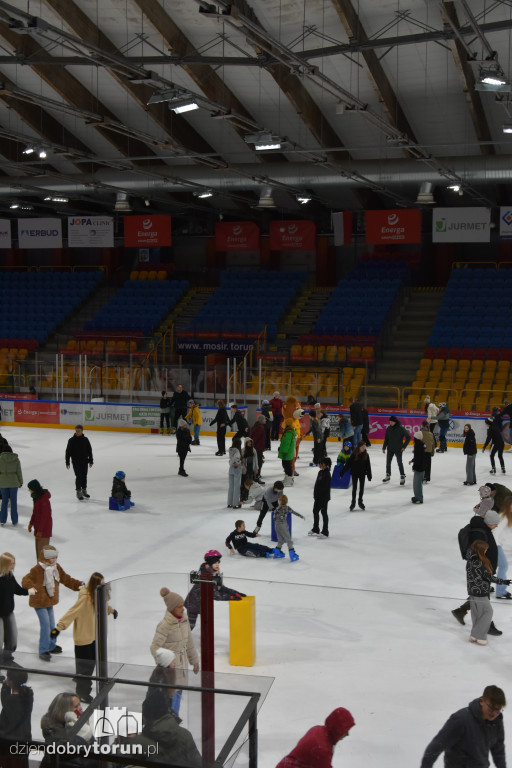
293	555
340	482
113	504
132	503
278	553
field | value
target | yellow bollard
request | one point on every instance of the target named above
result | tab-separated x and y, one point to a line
242	632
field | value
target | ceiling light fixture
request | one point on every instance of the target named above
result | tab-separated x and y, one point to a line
185	105
492	79
204	194
21	207
56	199
303	199
507	126
454	187
263	140
28	151
42	154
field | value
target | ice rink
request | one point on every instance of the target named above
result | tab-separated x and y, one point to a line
362	620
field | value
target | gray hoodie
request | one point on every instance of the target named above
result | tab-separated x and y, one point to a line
234	458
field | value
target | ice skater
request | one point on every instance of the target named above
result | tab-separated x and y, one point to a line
79	452
210	566
396	441
469	451
41	520
360	468
270	499
165	412
316	748
321	498
495	437
282	529
418	465
183	442
479	574
237	542
234	473
120	492
286	450
194	417
8	588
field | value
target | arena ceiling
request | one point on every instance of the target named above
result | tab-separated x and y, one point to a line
374	104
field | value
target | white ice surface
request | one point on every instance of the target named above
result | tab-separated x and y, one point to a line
362	620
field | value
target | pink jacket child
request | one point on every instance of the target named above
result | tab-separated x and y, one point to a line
316	748
486	503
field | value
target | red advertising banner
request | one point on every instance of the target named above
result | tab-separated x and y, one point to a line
396	226
37	412
237	236
147	231
292	236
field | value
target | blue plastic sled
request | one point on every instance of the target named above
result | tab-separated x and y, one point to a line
115	505
340	482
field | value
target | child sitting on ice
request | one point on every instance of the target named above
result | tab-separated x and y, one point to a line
120	492
344	454
282	530
237	542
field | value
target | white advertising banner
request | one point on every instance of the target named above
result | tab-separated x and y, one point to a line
461	225
506	222
39	233
90	232
5	233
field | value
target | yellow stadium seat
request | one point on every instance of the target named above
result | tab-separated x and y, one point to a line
342	354
425	363
152	274
437	364
161	274
134	274
331	353
143	274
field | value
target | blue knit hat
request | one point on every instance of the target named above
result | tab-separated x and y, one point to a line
120	475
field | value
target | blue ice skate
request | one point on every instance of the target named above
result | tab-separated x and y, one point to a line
278	553
293	555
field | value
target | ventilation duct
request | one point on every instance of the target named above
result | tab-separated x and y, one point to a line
425	195
266	199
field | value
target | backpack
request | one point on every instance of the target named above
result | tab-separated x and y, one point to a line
464	540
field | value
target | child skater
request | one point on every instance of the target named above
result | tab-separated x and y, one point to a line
282	530
321	497
270	499
479	577
238	538
194	417
41	520
251	491
120	492
360	468
220	591
183	443
8	588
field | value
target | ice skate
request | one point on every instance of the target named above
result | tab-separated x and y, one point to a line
79	495
313	533
503	470
85	494
506	596
278	553
481	642
293	555
402	479
361	505
352	506
492	471
459	614
386	479
287	480
322	535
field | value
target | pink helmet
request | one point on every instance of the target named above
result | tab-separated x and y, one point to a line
212	556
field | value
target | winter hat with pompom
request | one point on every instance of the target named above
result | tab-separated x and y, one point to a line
171	599
164	657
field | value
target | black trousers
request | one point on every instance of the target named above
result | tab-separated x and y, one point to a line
182	456
275	427
80	467
287	466
221	439
497	450
318	451
260	459
355	481
167	418
263	512
268	432
178	414
320	508
85	661
428	465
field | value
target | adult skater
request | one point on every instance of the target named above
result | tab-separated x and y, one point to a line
165	412
45	578
470	734
269	418
503	538
276	404
356	418
174	633
221	420
82	616
179	402
287	450
396	441
41	520
10	480
321	498
432	412
8	588
242	425
360	469
270	500
316	748
210	566
495	437
365	434
418	465
258	435
443	419
234	473
481	528
469	451
430	449
79	451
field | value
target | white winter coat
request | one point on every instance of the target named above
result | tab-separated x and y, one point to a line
432	412
176	636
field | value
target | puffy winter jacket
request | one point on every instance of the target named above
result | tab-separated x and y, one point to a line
396	437
175	634
315	749
195	415
10	470
287	444
41	519
469	447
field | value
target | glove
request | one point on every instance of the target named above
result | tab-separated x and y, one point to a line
29	528
32	591
54	633
115	614
507	582
195	668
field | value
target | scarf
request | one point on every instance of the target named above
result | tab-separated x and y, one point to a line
51	575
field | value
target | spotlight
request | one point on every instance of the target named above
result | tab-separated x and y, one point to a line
28	151
185	106
204	194
492	79
42	154
454	187
303	199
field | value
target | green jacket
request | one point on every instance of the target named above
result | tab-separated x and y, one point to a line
287	444
396	438
10	470
175	744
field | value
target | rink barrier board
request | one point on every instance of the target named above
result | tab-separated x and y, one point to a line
145	418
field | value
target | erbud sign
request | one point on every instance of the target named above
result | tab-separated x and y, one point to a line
90	232
461	225
39	233
237	236
393	226
147	231
292	235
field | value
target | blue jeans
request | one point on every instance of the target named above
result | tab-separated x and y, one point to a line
444	426
47	622
501	589
176	701
357	435
12	494
197	429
